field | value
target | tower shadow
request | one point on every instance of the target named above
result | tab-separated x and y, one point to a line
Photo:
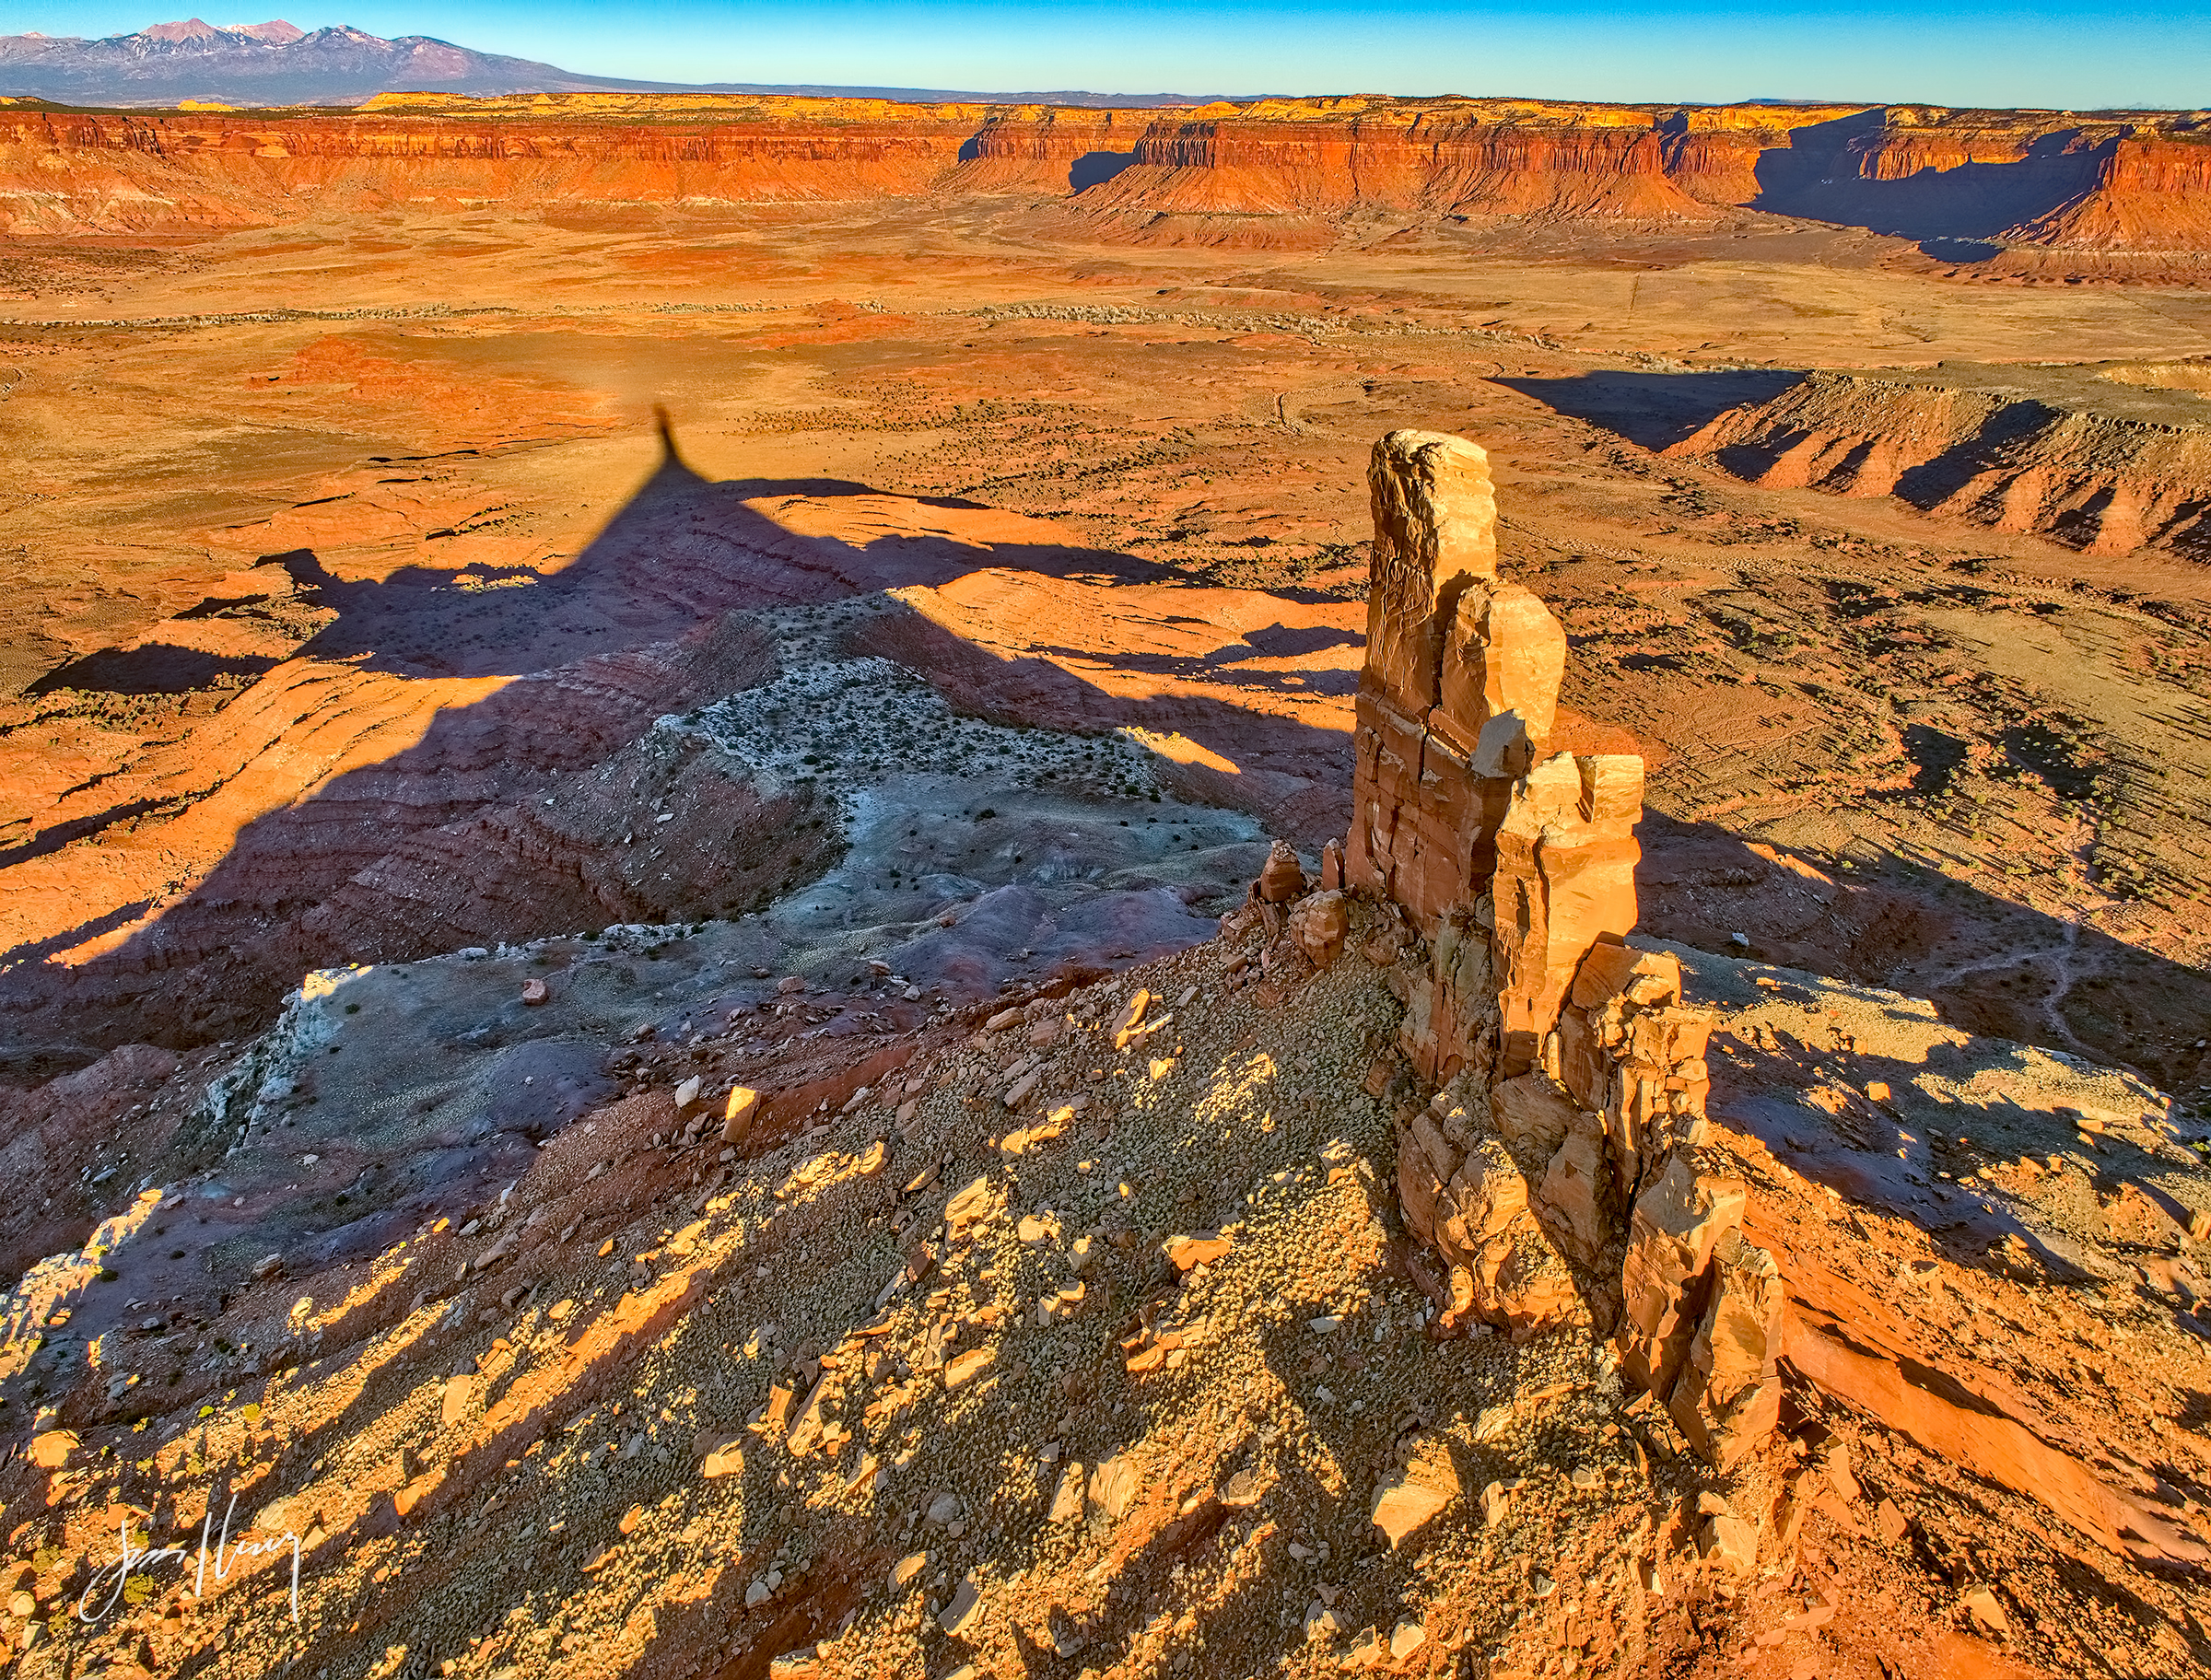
448	841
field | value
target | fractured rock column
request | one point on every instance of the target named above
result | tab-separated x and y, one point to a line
1569	1074
1458	695
1564	881
1435	531
1630	1050
1727	1398
1466	1198
1435	539
1702	1328
1678	1223
1700	1308
1498	697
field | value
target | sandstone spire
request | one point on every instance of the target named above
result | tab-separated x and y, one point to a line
1435	532
1556	1173
1455	707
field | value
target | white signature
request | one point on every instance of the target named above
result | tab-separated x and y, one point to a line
226	1555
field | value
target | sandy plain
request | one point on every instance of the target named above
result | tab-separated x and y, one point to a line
2002	728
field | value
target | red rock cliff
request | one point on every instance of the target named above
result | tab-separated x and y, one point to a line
1456	157
190	171
2132	183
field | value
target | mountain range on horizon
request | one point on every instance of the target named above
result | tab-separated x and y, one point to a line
278	63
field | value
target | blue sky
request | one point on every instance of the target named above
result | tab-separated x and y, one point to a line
2083	56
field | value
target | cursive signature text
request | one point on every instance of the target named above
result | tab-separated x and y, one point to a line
117	1576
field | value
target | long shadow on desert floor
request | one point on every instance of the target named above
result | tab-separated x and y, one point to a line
683	549
496	699
1656	411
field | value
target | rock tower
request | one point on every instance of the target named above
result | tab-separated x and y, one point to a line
1557	1172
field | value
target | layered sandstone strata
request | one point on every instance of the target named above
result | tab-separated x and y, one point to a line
2107	470
1513	861
1558	1171
2115	190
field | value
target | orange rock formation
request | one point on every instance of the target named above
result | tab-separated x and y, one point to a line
1459	812
2109	482
1570	1076
1272	172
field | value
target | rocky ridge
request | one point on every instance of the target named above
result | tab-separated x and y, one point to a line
1132	1324
771	682
2108	470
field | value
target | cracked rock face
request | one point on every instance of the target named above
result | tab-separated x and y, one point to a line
1459	812
1572	1074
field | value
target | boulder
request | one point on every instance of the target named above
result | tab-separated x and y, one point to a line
968	1208
1727	1398
1112	1488
1509	1272
738	1113
1523	1286
1487	1194
1425	1161
1730	1545
1282	878
1413	1492
1318	924
1067	1497
1677	1224
1331	866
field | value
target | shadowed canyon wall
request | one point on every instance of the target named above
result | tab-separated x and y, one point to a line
1278	171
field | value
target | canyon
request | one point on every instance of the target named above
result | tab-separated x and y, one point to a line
832	887
2005	195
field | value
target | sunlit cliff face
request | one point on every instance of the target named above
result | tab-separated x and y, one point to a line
2122	186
